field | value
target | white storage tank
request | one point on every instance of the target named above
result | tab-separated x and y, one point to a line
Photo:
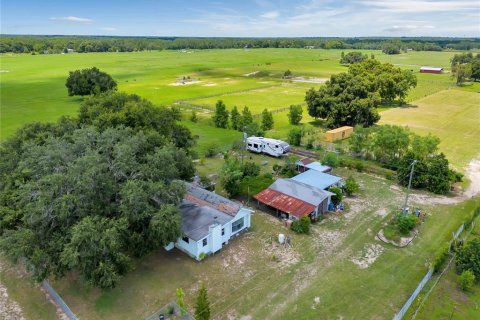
281	238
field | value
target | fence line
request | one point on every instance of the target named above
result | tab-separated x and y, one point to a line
59	301
424	281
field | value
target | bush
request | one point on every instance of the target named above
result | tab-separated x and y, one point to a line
337	198
331	160
389	175
295	136
268	175
212	150
440	259
194	117
406	222
302	225
359	166
351	186
468	257
250	169
466	280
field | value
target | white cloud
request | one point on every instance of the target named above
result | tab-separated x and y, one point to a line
408	28
72	19
398	6
270	15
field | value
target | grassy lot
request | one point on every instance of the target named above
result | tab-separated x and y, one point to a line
447	301
452	115
33	89
340	258
21	289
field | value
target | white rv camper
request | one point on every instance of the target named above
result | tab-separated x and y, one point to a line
269	146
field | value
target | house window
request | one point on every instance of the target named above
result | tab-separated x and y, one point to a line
237	225
223	231
186	239
205	242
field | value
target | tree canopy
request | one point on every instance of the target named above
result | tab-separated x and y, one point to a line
220	117
351	98
91	193
352	57
89	81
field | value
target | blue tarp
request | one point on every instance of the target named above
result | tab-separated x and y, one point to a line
317	179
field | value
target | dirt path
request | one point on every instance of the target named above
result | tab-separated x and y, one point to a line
473	174
9	308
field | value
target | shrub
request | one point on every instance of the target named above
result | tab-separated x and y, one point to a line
359	166
440	259
250	169
268	175
406	222
468	257
194	117
466	280
331	160
337	198
389	175
301	225
351	186
212	150
295	136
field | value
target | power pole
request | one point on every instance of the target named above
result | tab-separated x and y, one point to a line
409	184
244	136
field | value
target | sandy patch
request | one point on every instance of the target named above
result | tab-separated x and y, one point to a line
310	80
9	309
382	212
368	256
282	255
184	83
395	188
4	71
251	73
473	173
404	241
209	84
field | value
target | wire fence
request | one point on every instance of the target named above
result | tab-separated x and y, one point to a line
58	300
423	282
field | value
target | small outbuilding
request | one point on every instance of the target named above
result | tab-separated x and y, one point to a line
435	70
295	199
308	163
338	133
318	179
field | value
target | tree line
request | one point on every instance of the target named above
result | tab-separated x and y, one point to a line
466	66
94	192
59	44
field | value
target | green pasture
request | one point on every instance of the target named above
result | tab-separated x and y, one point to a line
33	86
452	115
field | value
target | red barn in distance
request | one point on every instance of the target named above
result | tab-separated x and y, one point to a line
431	70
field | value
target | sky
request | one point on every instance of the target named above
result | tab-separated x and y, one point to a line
242	18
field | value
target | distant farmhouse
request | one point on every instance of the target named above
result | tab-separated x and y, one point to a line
431	70
209	221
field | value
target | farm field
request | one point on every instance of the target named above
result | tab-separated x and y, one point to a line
341	258
452	115
33	86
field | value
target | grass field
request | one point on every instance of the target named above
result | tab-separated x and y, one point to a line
33	87
447	301
452	115
327	274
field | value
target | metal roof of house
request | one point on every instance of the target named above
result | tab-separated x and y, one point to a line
317	179
285	203
299	190
304	161
196	219
318	166
204	197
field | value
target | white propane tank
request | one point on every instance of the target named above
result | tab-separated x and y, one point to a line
281	238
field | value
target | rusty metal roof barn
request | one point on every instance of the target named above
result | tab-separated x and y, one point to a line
285	203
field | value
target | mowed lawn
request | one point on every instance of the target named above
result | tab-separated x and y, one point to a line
330	273
452	115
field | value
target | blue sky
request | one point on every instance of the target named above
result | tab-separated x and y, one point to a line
243	18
